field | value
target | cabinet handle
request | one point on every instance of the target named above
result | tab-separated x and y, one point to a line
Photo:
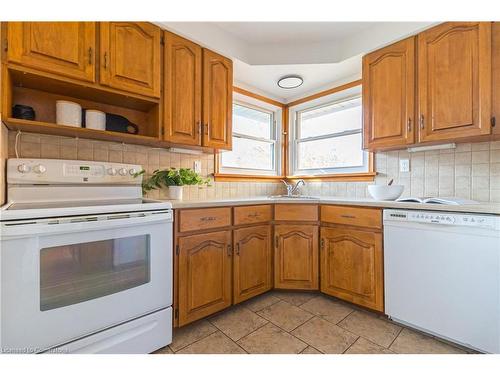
276	242
229	250
254	215
322	243
90	55
408	125
422	122
206	129
348	216
105	60
198	124
238	249
208	218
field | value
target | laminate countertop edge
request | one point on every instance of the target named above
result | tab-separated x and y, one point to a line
480	208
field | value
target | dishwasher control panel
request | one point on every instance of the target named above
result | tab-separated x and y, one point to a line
443	218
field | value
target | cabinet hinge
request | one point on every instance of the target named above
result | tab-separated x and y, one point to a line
162	131
493	122
322	243
177	249
276	241
162	40
6	45
176	314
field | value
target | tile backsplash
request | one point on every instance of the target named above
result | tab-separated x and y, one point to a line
471	170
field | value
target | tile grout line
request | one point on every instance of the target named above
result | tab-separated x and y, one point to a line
349	347
185	346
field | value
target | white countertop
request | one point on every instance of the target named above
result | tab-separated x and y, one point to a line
483	208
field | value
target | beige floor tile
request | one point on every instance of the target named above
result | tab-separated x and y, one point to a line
237	322
216	343
371	327
164	350
295	298
193	332
411	342
325	336
270	339
285	316
310	350
363	346
327	308
260	302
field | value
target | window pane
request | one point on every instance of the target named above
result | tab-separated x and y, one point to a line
249	154
80	272
330	119
339	152
252	122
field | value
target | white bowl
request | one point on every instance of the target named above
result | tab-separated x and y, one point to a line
385	192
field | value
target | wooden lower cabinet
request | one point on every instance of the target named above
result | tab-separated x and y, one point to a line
205	275
352	266
296	257
252	263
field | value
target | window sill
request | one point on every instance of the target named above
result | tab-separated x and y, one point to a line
346	177
223	177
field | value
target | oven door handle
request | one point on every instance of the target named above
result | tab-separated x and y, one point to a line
44	227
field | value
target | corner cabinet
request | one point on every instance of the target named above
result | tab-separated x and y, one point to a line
64	48
454	81
389	95
182	90
130	57
352	266
252	262
296	257
204	275
217	100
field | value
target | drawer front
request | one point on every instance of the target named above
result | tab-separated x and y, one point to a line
296	212
204	218
360	217
252	214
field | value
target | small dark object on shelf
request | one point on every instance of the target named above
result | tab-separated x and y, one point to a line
117	123
24	112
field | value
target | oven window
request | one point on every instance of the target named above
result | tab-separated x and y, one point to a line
76	273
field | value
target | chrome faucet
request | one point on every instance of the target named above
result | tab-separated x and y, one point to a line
292	188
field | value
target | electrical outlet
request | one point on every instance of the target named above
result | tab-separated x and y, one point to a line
404	165
197	166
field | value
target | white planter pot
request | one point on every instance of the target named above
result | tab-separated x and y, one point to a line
175	192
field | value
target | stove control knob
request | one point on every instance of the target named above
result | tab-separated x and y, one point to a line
112	171
39	169
132	171
123	172
23	168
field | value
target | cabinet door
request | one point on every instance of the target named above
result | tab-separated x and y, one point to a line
252	262
217	100
64	48
454	81
204	275
389	96
352	266
496	75
182	90
296	257
130	57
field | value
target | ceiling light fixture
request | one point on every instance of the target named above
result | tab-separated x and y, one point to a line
290	82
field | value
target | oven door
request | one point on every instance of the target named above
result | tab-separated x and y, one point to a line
62	279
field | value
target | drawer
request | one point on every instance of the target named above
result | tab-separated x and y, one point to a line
296	212
357	216
204	218
252	214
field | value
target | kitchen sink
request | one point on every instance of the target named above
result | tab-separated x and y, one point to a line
284	196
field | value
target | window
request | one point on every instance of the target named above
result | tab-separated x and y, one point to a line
327	137
255	136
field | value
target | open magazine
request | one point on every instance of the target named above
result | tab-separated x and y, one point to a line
442	200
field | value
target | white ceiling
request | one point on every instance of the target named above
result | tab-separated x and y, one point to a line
323	53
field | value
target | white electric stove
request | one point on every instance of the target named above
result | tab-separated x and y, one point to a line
85	261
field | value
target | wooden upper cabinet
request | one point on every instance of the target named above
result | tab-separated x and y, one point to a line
217	100
63	48
352	266
454	81
130	57
252	262
204	275
296	257
182	90
495	35
389	96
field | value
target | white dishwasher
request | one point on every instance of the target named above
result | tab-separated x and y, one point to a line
442	275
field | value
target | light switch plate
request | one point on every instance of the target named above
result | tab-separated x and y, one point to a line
197	166
404	165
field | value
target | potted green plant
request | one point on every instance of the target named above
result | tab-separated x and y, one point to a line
174	179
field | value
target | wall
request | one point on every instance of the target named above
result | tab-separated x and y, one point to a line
54	147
